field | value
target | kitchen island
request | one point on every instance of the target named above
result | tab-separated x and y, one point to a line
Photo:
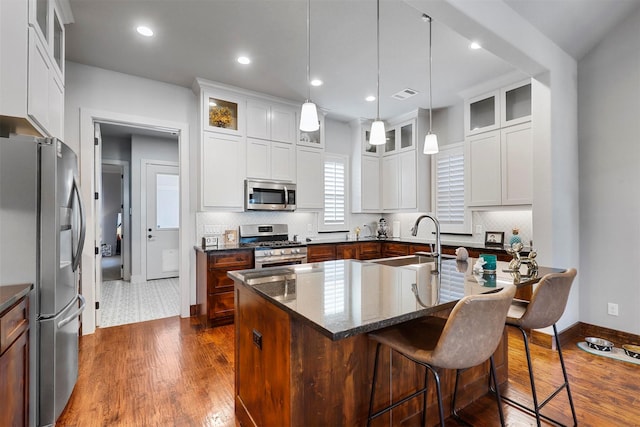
302	352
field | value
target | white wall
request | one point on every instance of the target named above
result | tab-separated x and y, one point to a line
609	134
111	191
144	148
94	93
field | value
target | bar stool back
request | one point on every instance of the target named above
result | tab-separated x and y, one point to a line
547	305
467	338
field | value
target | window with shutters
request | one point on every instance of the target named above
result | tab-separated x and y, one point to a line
448	166
334	216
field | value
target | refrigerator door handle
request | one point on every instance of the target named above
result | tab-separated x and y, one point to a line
83	227
75	314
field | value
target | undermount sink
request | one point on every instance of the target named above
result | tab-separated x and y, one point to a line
405	260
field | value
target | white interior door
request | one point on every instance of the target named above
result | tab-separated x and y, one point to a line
97	151
162	220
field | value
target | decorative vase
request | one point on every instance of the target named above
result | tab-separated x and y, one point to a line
515	238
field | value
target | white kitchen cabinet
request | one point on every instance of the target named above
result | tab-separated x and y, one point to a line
310	178
312	139
270	160
484	183
517	164
271	121
222	111
515	105
222	171
400	137
482	113
31	83
501	167
399	181
371	184
366	194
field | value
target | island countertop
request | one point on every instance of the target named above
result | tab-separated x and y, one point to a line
343	298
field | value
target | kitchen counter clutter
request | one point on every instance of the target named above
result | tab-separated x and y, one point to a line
303	330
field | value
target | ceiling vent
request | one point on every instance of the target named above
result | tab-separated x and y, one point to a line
404	94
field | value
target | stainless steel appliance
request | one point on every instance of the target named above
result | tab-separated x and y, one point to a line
272	245
49	197
262	195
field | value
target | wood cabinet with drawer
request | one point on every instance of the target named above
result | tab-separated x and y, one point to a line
393	249
320	253
370	250
215	291
347	251
14	364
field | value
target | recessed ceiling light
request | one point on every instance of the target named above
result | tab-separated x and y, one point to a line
145	31
370	98
244	60
316	82
475	46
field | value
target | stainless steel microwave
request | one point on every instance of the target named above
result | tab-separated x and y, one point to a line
263	195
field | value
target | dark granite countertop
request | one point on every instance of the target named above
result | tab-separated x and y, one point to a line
347	297
9	294
321	241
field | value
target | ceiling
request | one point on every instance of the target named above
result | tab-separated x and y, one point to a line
202	38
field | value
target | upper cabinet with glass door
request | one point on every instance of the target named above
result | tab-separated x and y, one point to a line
400	137
315	138
223	113
45	18
510	105
515	106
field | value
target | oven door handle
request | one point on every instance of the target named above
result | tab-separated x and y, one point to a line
281	258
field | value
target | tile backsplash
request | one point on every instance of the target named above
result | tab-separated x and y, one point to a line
305	224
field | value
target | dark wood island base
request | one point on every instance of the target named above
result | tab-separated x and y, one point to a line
293	375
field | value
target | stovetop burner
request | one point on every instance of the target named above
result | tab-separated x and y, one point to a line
272	244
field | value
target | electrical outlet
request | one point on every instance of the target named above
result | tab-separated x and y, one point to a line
209	229
479	229
612	309
257	339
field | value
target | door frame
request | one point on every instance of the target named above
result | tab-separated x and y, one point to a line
125	250
187	221
143	208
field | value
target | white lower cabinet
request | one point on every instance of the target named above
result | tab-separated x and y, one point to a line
310	178
270	160
399	181
501	167
223	171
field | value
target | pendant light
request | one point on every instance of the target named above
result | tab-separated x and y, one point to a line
378	134
430	140
309	114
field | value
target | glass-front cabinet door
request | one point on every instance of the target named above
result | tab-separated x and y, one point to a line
482	113
369	148
223	113
390	141
57	41
516	103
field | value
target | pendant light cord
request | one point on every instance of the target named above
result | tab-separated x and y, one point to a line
378	59
308	50
430	62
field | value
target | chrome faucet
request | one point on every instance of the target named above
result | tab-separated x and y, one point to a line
414	232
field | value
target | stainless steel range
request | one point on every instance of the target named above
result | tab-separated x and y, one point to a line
272	245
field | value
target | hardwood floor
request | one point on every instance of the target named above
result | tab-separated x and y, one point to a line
171	372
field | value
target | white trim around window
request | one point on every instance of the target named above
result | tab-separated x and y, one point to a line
448	168
336	195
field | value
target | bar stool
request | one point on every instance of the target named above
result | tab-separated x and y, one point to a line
547	304
467	338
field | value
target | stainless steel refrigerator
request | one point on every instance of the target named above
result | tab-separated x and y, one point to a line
52	242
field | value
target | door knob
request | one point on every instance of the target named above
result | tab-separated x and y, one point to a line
149	236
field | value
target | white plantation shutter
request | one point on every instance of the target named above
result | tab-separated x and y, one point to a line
449	186
335	196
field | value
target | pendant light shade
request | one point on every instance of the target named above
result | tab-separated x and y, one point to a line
309	117
309	114
430	144
431	140
378	134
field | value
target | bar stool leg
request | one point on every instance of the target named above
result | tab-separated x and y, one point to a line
533	386
566	377
424	398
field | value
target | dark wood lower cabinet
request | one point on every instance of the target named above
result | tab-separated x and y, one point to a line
214	289
320	253
14	365
314	381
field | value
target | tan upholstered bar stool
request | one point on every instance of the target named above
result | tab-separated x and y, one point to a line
547	304
467	338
